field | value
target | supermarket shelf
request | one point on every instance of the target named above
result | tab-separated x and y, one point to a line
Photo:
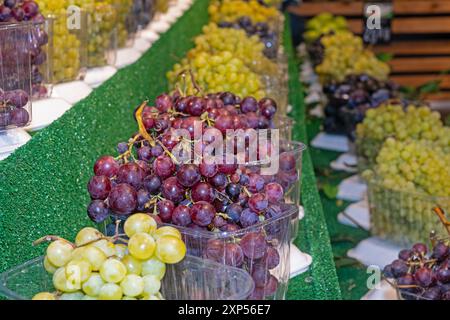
417	80
420	64
413	48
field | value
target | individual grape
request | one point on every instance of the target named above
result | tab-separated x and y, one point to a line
163	103
154	267
172	190
268	107
440	251
202	213
133	265
19	117
99	187
106	246
152	184
165	210
48	266
260	275
233	190
274	192
163	166
132	174
287	161
120	250
94	255
166	231
215	250
141	245
152	285
271	286
61	283
144	153
132	285
44	296
122	199
443	274
157	151
81	268
202	191
424	277
271	258
122	147
432	294
17	98
255	182
253	245
106	166
230	227
188	175
234	212
59	253
233	255
143	197
110	291
208	170
258	202
87	235
196	106
405	254
248	218
113	271
139	223
399	268
219	181
181	216
170	249
249	104
219	222
98	211
420	248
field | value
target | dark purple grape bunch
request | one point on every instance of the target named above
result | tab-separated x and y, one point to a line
422	274
19	45
316	51
13	112
261	29
349	100
252	252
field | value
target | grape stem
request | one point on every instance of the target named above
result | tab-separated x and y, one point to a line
50	238
441	214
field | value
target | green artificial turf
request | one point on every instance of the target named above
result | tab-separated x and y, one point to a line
43	184
352	275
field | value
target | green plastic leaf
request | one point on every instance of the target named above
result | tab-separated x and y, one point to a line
430	87
385	57
330	191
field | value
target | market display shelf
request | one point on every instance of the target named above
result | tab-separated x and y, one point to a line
43	184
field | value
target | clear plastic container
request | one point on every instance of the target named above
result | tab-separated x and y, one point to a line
102	34
285	125
126	23
250	249
402	217
69	43
15	75
41	49
191	279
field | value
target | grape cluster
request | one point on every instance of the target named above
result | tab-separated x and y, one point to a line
349	100
261	29
126	24
17	45
323	24
13	109
344	54
142	12
396	121
97	267
217	73
231	10
215	40
66	45
420	274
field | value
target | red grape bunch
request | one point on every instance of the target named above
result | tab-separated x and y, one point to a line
12	109
423	274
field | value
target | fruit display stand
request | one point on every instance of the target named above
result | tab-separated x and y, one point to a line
42	185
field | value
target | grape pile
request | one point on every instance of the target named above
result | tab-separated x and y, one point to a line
348	101
323	24
232	10
392	120
13	109
222	198
216	40
344	54
66	44
217	73
19	43
261	29
420	273
97	267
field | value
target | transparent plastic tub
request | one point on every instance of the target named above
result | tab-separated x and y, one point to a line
285	125
191	279
402	217
15	75
262	250
69	43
